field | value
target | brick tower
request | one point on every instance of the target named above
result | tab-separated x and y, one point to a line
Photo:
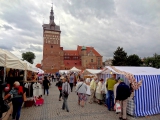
52	52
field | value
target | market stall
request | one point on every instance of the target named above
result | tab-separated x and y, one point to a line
88	73
74	69
63	71
146	83
11	69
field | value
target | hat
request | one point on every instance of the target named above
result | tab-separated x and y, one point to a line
121	79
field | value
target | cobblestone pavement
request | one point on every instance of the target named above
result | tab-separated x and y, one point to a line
51	110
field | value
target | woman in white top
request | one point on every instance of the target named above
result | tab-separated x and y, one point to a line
88	93
81	89
99	94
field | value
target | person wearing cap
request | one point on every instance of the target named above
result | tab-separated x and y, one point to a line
122	94
17	100
99	94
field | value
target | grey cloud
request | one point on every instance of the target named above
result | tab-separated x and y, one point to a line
6	47
87	8
6	27
103	24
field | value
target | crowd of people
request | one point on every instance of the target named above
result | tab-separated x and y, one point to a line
108	92
88	90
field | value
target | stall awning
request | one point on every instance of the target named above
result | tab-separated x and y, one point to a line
91	72
132	70
9	60
74	69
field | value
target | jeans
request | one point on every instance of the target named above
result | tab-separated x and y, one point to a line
71	85
60	94
17	104
106	99
110	99
65	105
46	91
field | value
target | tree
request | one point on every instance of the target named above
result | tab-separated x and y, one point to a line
119	57
152	61
134	60
28	56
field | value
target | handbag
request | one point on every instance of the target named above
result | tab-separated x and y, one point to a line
5	107
66	92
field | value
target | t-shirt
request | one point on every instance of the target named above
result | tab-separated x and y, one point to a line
15	94
110	83
71	79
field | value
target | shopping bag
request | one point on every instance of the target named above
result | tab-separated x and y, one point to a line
118	107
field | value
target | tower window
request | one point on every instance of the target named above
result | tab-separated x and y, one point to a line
51	46
91	60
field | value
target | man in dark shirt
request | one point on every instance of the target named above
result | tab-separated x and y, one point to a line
46	84
123	92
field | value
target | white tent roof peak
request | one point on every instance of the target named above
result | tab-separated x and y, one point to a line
74	69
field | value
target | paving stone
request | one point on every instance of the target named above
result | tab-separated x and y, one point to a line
51	110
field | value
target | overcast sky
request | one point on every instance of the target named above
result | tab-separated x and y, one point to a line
102	24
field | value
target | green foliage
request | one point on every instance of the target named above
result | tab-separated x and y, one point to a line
152	61
28	56
134	60
119	57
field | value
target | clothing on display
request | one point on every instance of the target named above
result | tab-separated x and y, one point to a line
37	89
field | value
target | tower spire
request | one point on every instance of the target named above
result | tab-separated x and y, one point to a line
52	15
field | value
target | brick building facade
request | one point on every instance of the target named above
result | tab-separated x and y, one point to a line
55	58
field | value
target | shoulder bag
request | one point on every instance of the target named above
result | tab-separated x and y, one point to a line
66	92
79	88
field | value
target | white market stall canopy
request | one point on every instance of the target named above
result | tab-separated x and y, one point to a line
63	71
146	83
40	71
28	66
74	69
91	72
9	60
132	70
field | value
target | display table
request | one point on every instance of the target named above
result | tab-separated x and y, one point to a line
29	103
7	114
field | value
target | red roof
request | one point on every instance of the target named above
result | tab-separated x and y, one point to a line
88	49
38	65
71	52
